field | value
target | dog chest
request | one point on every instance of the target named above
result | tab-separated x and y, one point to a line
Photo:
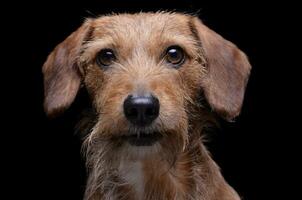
132	173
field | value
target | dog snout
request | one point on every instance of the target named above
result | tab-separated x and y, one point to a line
141	110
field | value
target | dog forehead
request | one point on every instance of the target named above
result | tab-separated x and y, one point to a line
142	26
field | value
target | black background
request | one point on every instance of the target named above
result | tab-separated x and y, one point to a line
44	158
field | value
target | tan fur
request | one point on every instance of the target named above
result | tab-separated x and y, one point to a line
178	166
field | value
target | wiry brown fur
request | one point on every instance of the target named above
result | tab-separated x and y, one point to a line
178	166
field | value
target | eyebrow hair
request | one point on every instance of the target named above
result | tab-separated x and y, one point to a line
90	47
187	43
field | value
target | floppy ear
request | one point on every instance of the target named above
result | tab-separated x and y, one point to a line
228	70
61	76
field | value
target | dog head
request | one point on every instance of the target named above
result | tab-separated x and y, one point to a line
145	73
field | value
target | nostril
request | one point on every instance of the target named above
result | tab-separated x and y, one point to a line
150	111
130	109
132	112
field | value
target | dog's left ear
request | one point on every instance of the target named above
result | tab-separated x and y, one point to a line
228	70
61	73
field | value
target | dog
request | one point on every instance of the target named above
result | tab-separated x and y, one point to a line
156	81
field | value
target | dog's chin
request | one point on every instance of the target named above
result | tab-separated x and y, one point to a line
142	139
141	145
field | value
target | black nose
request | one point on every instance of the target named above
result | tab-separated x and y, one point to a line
141	110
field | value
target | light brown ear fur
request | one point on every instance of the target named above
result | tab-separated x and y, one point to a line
227	75
61	76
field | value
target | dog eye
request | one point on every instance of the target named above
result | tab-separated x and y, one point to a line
105	57
175	55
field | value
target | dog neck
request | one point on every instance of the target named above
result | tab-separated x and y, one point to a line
192	175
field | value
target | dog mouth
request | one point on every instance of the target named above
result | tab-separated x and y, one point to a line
142	138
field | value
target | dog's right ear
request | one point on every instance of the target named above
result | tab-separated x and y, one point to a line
61	74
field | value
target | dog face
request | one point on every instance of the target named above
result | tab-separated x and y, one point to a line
145	73
146	84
